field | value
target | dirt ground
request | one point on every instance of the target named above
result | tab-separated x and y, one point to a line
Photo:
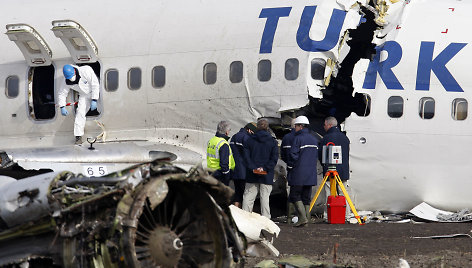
375	244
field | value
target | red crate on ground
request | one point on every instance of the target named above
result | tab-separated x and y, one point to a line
336	209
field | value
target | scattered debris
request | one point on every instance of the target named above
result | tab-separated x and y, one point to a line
377	216
335	250
460	216
259	231
296	261
427	212
402	263
444	236
266	264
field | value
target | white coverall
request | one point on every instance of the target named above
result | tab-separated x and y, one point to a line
88	89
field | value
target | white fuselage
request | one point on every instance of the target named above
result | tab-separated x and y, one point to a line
402	162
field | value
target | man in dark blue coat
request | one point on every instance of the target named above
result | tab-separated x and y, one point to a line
238	175
334	135
262	153
284	155
303	158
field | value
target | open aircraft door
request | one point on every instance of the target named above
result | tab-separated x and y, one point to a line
35	50
80	44
41	71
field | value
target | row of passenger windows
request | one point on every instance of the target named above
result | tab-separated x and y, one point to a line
210	70
112	77
427	108
264	71
158	75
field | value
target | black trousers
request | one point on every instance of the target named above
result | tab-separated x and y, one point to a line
239	186
300	193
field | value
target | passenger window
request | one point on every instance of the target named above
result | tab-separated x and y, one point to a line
459	109
111	80
426	109
158	76
209	73
291	69
395	106
134	78
236	72
12	86
264	70
318	67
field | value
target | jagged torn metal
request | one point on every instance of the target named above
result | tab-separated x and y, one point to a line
259	231
368	24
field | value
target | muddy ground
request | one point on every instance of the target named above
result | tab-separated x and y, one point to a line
375	244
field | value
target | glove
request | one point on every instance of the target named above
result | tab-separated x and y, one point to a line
93	105
64	112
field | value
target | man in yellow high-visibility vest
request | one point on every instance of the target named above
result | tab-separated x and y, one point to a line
219	156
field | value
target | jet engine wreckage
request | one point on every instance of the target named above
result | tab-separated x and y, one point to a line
149	215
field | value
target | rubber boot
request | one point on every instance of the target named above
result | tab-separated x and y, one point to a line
308	213
290	211
302	220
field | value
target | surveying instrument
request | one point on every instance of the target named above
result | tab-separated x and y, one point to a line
332	156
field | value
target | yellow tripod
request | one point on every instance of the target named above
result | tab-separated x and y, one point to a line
334	178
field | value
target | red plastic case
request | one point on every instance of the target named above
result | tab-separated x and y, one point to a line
336	209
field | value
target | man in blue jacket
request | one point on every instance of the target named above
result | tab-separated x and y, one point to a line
262	153
334	135
285	147
238	175
303	157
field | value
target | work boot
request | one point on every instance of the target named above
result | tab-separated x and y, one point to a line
302	220
290	210
78	140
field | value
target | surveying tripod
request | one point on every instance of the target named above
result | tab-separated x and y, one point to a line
334	179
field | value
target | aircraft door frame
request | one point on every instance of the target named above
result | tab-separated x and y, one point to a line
82	48
40	74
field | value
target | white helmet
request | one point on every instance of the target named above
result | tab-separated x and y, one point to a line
301	120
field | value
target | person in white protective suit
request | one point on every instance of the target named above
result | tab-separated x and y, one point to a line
83	80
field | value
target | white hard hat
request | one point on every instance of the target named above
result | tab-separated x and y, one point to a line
301	120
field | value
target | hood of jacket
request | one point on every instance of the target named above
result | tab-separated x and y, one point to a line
263	136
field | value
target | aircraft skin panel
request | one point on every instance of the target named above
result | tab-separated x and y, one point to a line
183	37
115	111
399	171
194	88
442	32
405	161
273	87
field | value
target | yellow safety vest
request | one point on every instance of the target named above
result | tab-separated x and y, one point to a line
213	153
